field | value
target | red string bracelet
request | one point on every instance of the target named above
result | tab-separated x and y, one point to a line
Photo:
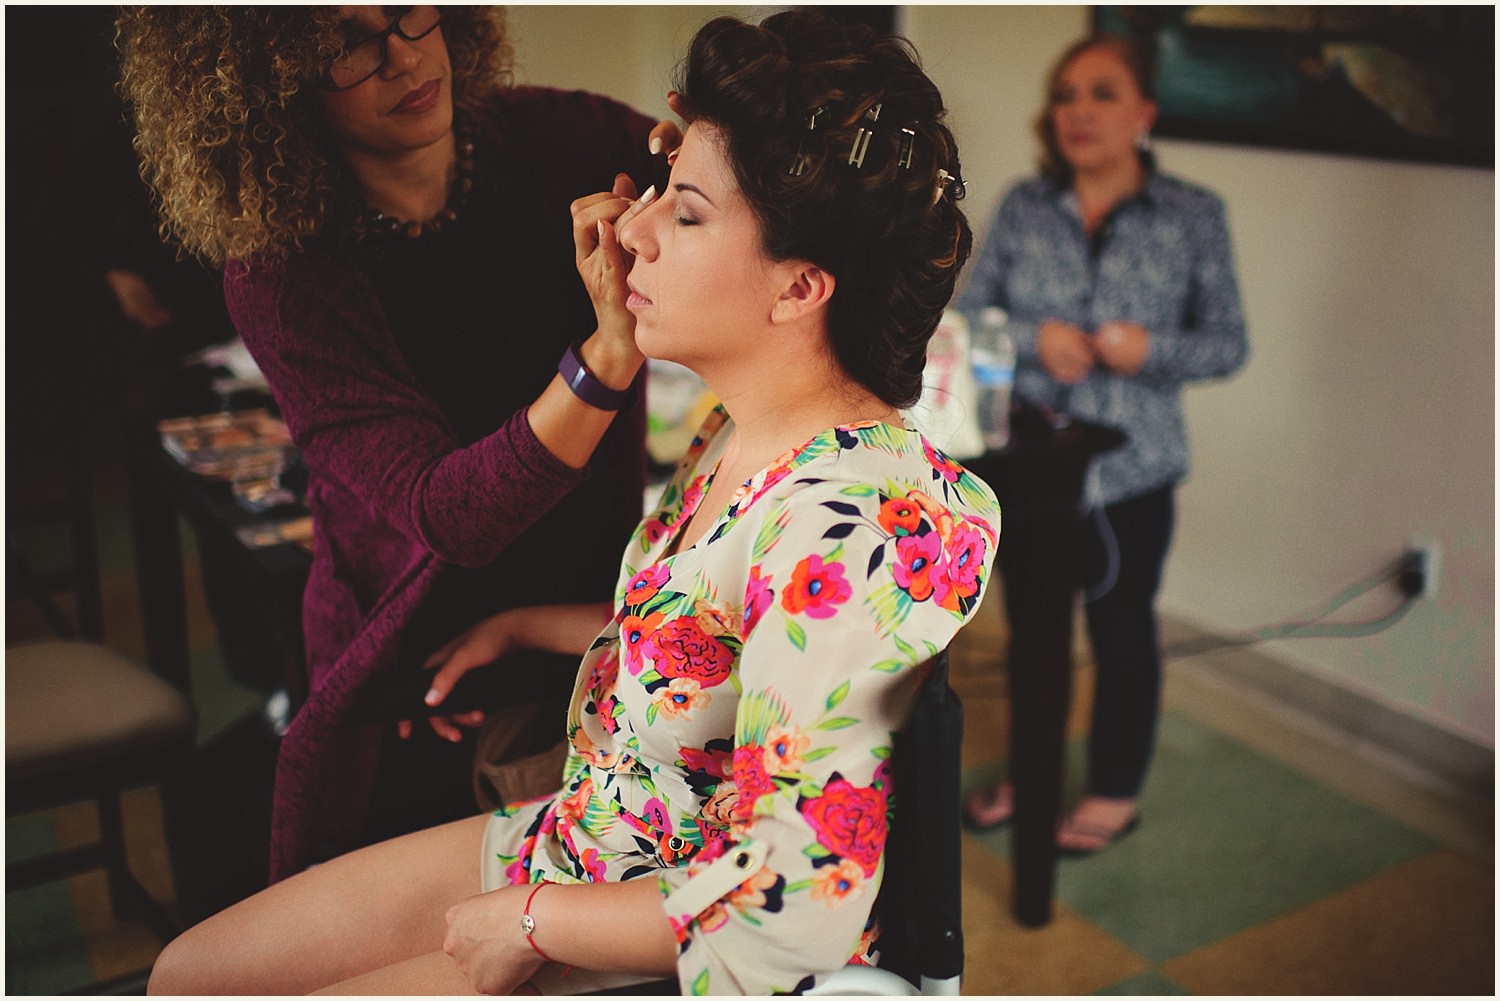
528	924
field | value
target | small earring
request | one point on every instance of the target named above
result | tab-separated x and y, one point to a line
1143	141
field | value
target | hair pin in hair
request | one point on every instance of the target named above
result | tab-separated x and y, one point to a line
908	142
799	162
862	137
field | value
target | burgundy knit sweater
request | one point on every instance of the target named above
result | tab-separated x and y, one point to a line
403	369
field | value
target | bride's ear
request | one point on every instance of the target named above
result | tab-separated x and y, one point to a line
807	290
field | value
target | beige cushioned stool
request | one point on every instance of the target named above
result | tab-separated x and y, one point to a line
84	722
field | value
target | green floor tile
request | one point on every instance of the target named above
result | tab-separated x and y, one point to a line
1228	840
44	949
1151	984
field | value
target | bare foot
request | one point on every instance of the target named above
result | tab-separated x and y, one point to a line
990	807
1096	823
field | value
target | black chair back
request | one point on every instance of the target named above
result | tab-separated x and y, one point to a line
920	903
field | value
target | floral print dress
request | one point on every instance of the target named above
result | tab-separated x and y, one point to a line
731	728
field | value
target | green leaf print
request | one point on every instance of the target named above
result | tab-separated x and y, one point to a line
859	490
837	723
770	532
758	712
795	633
838	695
700	985
890	605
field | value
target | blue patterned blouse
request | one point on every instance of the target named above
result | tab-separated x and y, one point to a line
1162	259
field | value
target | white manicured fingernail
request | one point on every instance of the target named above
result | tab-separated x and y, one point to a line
649	196
600	227
433	697
655	144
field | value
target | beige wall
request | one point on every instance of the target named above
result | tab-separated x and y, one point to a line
1366	413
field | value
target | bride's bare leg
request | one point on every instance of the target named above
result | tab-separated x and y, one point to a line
432	974
360	912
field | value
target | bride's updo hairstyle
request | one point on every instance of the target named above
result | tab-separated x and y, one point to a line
836	139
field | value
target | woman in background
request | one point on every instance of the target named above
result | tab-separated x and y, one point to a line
723	812
1119	285
391	214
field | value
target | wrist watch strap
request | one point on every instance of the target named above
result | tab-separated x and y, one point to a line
584	384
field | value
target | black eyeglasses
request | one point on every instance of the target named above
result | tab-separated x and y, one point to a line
364	58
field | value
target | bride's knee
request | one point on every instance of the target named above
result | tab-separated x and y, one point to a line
181	968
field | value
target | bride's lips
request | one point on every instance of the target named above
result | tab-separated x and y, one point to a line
420	100
636	301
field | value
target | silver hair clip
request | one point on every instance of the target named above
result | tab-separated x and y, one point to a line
799	162
862	137
908	141
944	181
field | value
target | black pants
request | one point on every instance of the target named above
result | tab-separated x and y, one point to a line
1124	550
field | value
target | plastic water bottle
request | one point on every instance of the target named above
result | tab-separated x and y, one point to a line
992	354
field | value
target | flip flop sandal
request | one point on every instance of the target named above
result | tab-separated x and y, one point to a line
1106	835
988	798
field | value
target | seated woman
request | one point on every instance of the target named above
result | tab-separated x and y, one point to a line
724	806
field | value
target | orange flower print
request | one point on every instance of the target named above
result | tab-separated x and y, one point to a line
754	892
573	806
645	584
716	620
633	631
816	589
721	805
784	750
900	516
837	883
681	697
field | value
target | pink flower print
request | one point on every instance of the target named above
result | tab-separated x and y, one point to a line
949	469
715	842
519	871
916	556
965	552
645	584
816	588
654	531
681	649
750	779
593	865
633	631
604	674
758	597
849	821
681	697
655	814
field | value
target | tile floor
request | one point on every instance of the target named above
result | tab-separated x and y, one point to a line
1273	858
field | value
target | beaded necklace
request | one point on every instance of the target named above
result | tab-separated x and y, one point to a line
373	222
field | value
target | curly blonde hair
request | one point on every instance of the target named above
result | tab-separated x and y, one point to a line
229	138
